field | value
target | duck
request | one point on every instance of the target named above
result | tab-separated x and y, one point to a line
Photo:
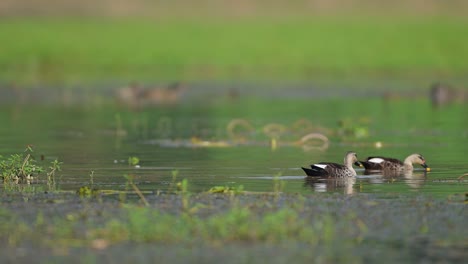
443	94
378	163
130	95
136	96
168	95
334	170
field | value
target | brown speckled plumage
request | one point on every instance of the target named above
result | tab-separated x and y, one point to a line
384	164
333	170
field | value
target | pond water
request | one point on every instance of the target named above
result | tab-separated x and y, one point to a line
217	138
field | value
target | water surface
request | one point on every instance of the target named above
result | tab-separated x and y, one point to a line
195	139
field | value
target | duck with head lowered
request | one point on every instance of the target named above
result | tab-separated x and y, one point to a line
384	164
334	170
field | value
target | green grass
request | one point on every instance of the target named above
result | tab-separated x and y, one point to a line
74	50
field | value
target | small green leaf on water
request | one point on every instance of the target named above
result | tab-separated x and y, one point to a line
424	229
84	191
217	189
133	161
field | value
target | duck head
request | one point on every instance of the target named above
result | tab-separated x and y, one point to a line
416	159
351	158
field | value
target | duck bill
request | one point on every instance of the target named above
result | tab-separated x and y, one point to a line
424	165
357	163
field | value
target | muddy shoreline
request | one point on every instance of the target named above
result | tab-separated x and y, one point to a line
352	229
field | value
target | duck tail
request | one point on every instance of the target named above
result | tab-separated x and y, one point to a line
311	172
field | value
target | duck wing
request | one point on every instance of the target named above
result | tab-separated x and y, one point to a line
379	163
315	171
322	169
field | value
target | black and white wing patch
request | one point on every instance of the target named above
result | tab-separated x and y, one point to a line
319	169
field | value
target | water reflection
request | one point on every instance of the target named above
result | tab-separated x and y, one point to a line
345	185
203	139
414	180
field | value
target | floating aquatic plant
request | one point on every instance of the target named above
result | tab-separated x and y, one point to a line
227	189
133	161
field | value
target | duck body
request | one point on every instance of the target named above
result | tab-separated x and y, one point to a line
136	97
443	94
333	170
379	163
163	95
329	169
384	164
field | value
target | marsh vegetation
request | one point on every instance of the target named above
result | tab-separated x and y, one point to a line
177	135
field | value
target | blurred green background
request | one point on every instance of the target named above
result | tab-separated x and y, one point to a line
68	42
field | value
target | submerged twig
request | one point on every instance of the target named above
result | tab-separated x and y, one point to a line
142	197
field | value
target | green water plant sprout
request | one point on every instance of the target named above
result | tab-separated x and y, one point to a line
88	190
173	184
55	166
133	161
278	185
